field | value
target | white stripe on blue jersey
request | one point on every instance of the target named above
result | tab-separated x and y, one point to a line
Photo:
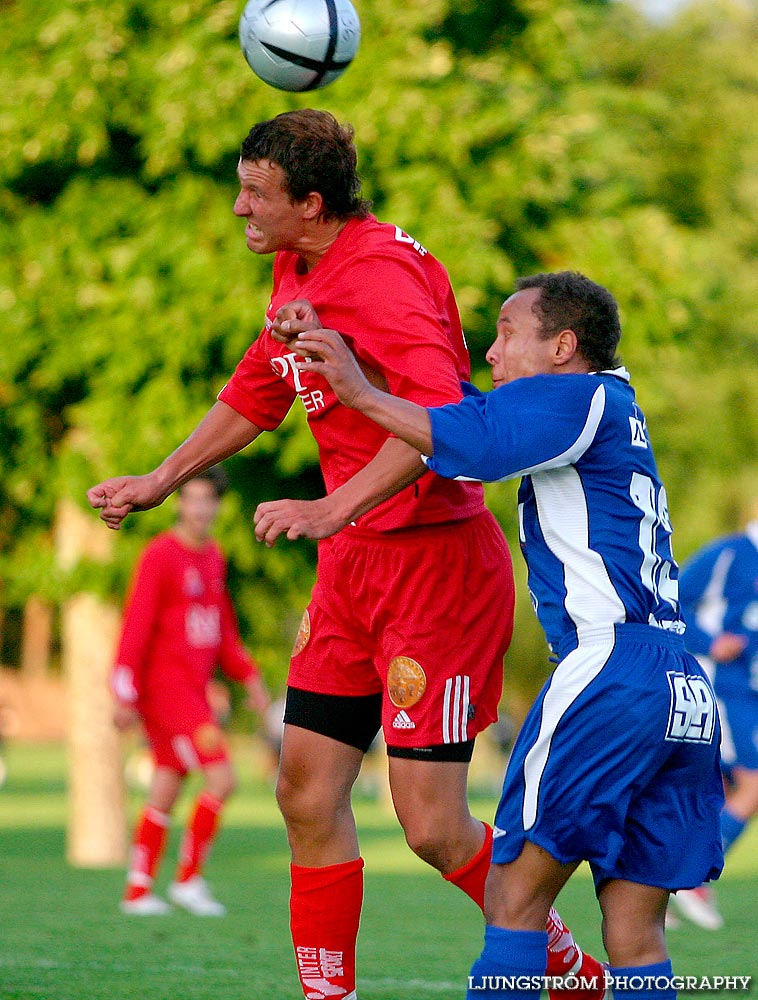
563	517
593	512
569	680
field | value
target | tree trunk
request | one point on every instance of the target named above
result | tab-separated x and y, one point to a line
89	627
37	632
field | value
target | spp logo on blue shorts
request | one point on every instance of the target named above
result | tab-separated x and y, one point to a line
692	715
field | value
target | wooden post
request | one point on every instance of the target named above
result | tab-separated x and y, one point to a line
35	643
89	628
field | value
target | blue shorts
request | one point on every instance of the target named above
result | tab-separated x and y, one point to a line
739	737
617	764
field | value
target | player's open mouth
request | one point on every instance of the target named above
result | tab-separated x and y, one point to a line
252	230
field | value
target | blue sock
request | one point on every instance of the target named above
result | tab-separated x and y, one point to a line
644	982
508	957
731	828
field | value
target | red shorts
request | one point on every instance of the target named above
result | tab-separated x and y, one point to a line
184	735
424	616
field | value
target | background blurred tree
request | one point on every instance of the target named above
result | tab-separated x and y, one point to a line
507	137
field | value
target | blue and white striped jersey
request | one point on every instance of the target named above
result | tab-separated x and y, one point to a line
719	591
593	514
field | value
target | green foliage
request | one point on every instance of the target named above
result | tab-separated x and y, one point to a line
506	137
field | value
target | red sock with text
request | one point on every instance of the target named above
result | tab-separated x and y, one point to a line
198	837
325	911
147	849
470	878
566	958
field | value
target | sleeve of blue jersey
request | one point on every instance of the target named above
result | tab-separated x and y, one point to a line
503	434
694	579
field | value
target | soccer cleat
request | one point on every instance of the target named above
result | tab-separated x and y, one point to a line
195	897
699	906
566	959
146	905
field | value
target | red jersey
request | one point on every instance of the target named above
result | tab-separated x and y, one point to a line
178	625
393	303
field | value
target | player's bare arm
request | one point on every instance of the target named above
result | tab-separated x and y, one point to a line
395	466
222	432
327	353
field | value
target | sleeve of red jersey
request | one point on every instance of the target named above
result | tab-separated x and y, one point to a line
409	328
137	626
256	391
234	659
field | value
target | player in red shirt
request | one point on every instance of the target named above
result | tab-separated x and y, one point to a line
178	625
411	612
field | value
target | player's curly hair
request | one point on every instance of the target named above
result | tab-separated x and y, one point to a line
570	301
316	153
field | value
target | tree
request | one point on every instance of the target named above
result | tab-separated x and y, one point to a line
506	137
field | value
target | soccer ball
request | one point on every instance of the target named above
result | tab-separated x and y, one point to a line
299	44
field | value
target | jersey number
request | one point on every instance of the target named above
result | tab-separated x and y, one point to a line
692	716
656	568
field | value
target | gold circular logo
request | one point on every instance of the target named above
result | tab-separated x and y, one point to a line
303	634
406	681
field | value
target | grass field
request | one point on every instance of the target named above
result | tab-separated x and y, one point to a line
62	937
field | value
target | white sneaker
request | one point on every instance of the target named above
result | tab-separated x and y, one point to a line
699	906
145	906
195	896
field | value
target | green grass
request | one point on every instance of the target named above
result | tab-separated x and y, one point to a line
62	937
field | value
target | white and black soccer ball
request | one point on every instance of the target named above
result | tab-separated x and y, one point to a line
299	44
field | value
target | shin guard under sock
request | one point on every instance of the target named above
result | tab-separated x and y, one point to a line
325	911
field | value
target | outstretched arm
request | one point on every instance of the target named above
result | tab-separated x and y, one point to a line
327	353
395	466
222	432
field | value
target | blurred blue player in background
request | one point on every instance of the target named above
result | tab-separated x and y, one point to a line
718	589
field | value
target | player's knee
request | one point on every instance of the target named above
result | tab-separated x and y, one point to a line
220	780
633	943
226	786
429	841
289	796
301	802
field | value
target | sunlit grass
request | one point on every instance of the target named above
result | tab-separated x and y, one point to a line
62	937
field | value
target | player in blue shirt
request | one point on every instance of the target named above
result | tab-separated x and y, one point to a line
719	594
617	761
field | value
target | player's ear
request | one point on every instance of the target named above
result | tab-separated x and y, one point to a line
313	205
566	347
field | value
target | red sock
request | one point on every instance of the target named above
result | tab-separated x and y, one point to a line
566	958
325	910
147	848
470	878
198	837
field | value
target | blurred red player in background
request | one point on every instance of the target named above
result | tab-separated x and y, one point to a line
178	626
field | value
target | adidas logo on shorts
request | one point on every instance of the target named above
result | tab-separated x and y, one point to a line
402	721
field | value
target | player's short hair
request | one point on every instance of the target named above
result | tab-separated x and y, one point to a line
216	476
316	153
570	301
